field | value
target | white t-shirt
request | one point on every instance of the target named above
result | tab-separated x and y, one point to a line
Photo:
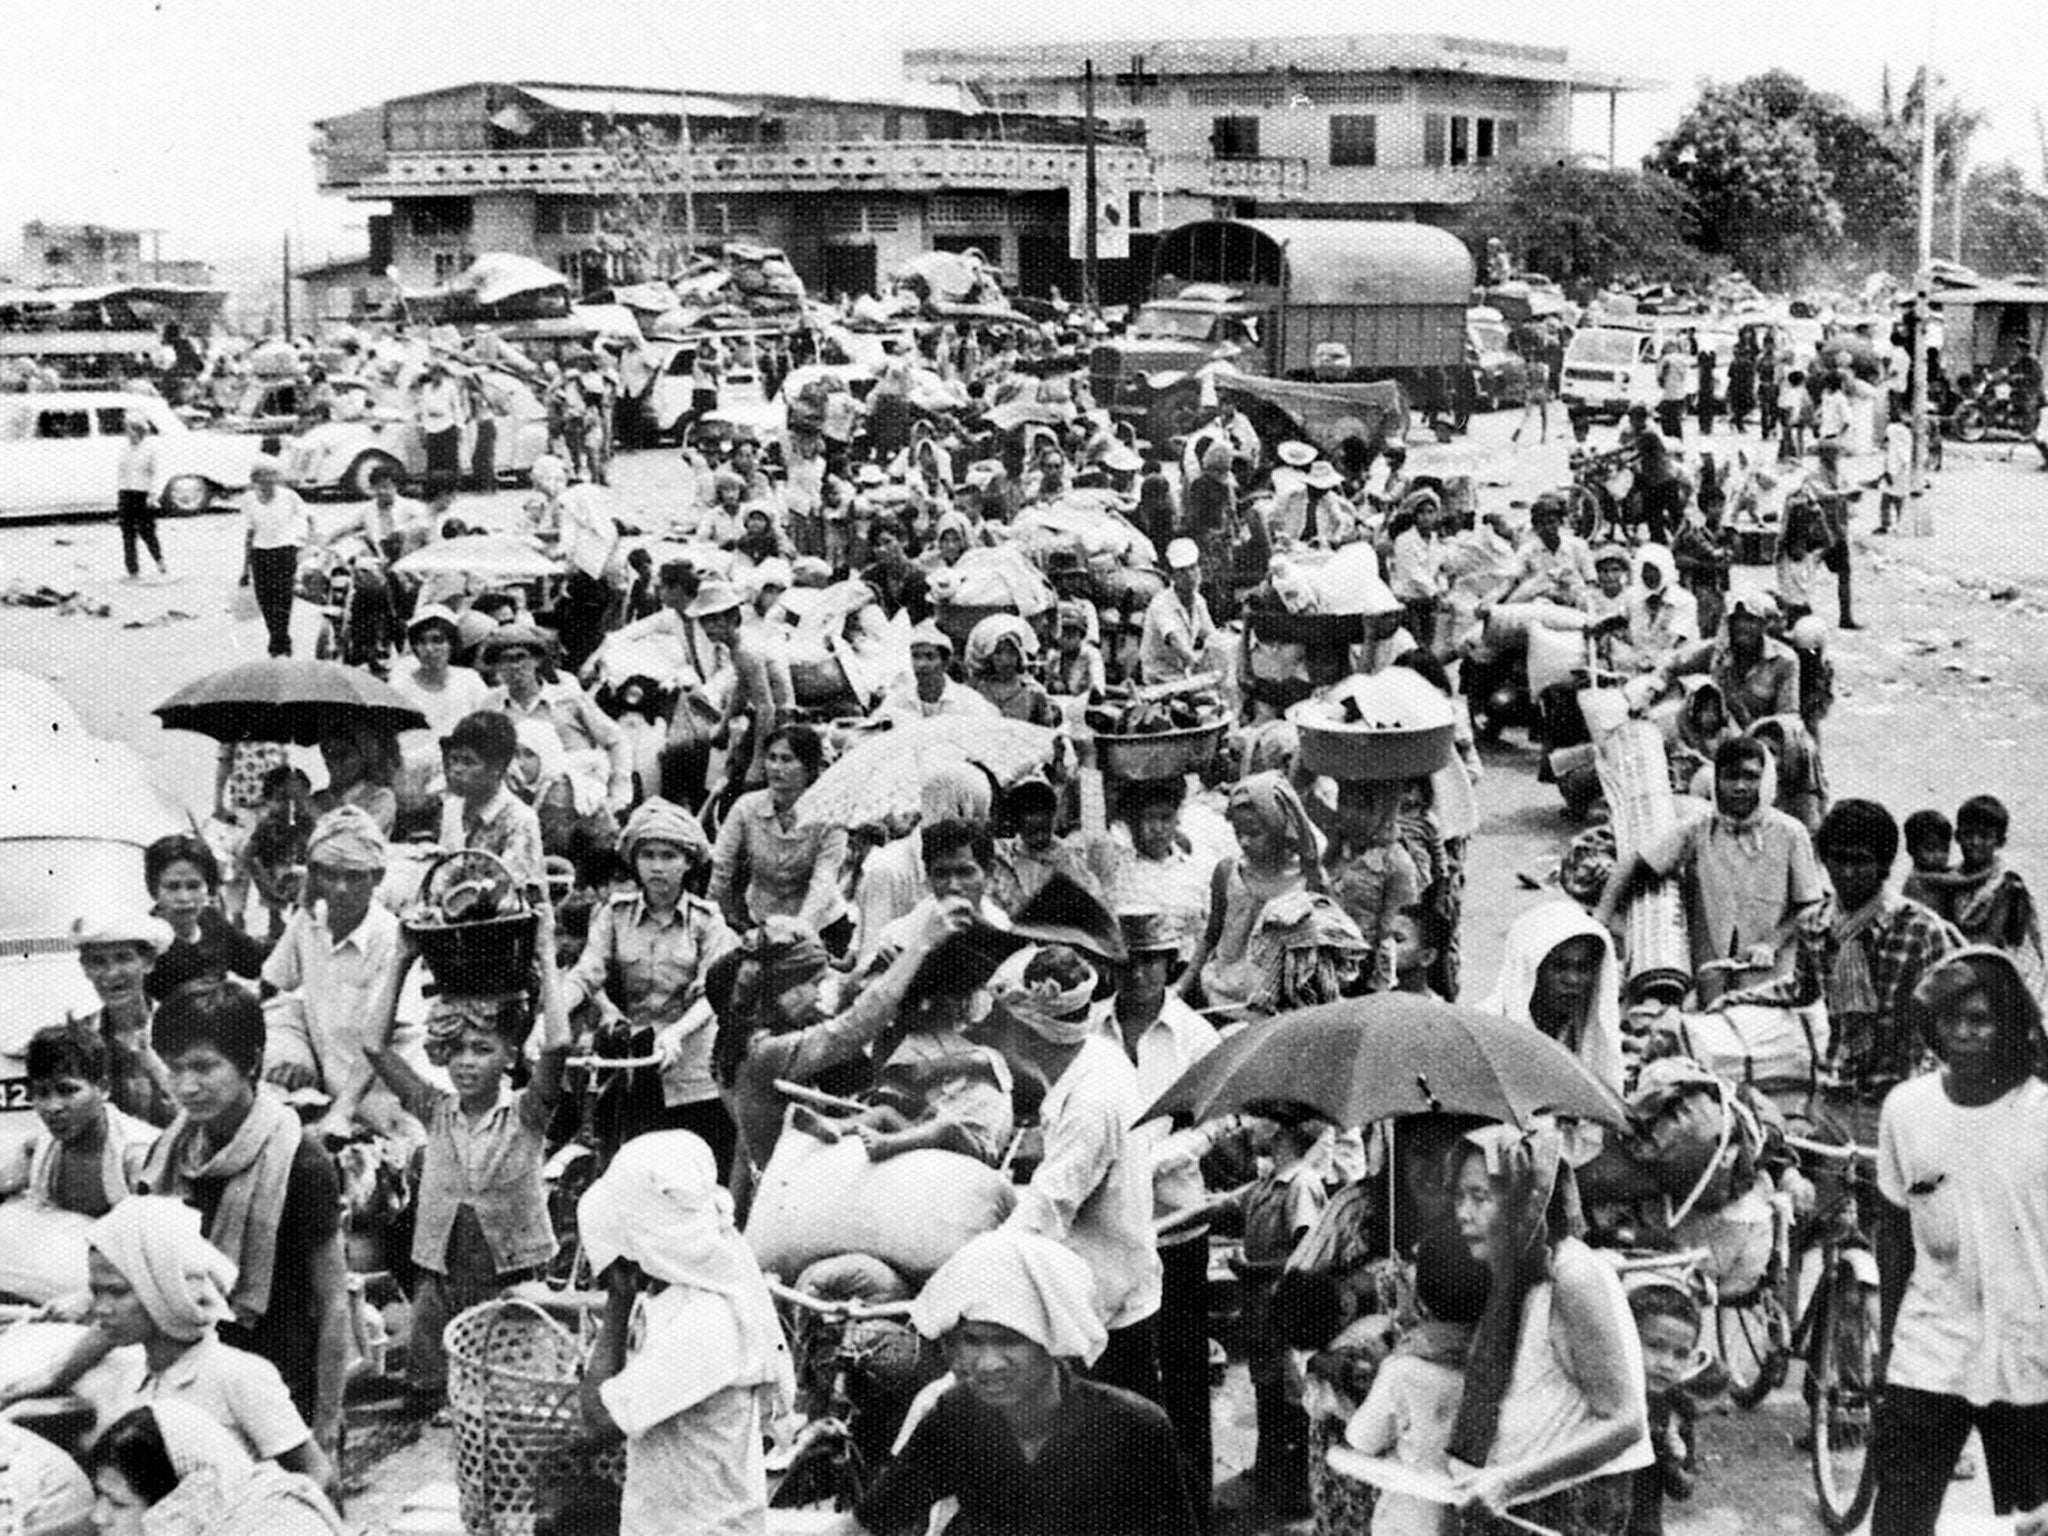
1974	1322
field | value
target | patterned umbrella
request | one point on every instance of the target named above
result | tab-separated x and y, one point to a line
882	773
279	699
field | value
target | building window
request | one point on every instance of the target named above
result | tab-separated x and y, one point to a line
565	216
448	265
1507	136
1234	138
429	217
1461	140
1354	139
1433	138
1483	138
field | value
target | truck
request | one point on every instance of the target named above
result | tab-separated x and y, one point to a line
1333	302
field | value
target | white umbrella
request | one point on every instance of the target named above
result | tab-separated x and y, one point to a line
495	556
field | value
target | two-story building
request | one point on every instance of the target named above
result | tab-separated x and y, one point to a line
850	189
1355	126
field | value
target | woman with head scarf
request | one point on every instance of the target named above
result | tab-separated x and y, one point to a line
567	794
1000	650
159	1289
1209	515
168	1470
1281	857
1022	1440
1554	1421
1075	667
1795	755
1962	1226
1559	974
952	537
691	1363
644	965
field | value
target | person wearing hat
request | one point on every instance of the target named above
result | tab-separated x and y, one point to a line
515	655
1758	675
761	698
337	946
1075	667
117	946
1163	1037
931	690
1092	1192
1013	1314
1178	631
444	693
1962	1170
644	965
276	525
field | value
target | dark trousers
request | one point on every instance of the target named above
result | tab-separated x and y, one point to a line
444	460
138	525
580	616
1921	1434
1671	419
274	573
1131	1359
1183	1334
1843	584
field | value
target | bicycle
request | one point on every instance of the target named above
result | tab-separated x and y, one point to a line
1839	1334
858	1356
581	1160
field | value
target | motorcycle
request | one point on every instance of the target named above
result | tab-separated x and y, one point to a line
1994	407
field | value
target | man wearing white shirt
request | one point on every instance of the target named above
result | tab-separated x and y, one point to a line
1174	642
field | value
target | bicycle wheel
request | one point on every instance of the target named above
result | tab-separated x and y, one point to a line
1841	1399
1754	1338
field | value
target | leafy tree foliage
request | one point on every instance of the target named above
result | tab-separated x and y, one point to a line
2005	223
1582	225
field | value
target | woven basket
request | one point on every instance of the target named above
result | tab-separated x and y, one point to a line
488	958
1160	755
513	1374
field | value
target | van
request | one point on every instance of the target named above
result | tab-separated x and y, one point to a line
1608	368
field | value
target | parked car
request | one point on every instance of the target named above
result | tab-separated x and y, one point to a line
1609	367
59	453
1498	373
340	456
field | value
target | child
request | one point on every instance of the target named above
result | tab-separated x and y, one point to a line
1076	667
1988	903
482	1213
1795	410
1896	483
87	1156
272	860
1279	1211
943	1091
1668	1322
1414	948
1416	570
1929	844
1415	1395
479	811
1704	552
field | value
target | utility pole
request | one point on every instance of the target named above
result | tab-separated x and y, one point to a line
1090	235
287	285
1919	519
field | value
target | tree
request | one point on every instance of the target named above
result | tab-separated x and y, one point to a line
1585	226
1759	191
2005	222
641	182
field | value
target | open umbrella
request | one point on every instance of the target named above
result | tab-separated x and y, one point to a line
493	556
279	699
1374	1058
882	774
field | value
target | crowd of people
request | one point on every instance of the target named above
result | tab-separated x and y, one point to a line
1424	1292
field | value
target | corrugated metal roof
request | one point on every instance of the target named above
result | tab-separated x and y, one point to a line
625	101
1993	293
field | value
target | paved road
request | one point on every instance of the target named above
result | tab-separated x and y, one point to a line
1941	697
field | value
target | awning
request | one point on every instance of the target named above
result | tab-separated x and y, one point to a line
624	101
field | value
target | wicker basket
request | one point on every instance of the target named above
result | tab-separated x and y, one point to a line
1161	755
490	957
956	621
513	1374
1351	752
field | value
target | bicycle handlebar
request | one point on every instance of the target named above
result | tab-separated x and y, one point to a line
612	1063
852	1308
1835	1152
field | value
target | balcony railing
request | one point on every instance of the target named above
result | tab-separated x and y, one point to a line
908	165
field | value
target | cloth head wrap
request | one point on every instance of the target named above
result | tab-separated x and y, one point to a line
953	522
1270	798
991	632
956	792
347	838
549	474
930	634
788	952
1020	1281
180	1278
663	821
1216	459
1537	1206
448	1017
1058	1015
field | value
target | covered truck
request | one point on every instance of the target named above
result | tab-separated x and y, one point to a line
1331	301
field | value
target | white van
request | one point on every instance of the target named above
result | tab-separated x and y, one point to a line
1608	368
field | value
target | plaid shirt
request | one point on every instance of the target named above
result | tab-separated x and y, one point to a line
1870	1054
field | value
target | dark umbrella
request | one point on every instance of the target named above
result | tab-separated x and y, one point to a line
1374	1058
279	699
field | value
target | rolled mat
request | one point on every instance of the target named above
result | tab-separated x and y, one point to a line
1656	947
